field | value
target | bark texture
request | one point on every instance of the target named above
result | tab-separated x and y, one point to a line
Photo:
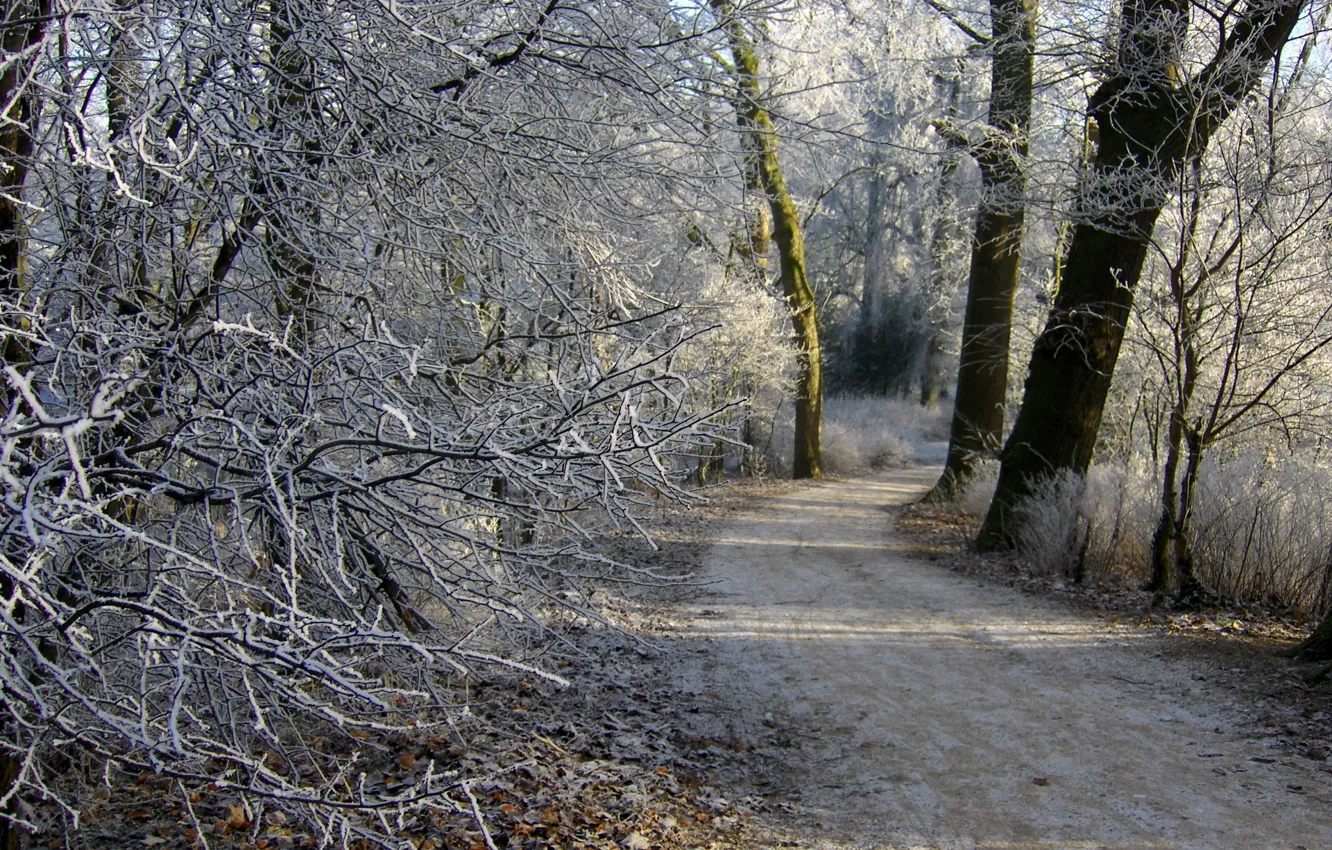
942	286
1149	126
996	253
294	212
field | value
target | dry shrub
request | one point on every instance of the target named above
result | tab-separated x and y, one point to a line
1091	528
1261	526
1263	529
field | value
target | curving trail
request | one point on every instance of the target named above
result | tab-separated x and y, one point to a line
883	701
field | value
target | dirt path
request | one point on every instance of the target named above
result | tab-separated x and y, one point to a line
883	701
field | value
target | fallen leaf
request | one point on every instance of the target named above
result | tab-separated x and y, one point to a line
238	819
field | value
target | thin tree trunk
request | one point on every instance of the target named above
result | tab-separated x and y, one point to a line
1171	530
939	295
1149	126
996	253
789	238
293	212
872	279
1165	534
20	39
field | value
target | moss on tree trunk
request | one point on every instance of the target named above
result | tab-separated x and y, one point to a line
788	236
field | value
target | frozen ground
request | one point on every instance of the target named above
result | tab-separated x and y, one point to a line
875	699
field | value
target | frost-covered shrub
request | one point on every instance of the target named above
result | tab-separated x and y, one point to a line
1261	526
1120	505
745	365
979	491
1087	528
1051	528
1263	529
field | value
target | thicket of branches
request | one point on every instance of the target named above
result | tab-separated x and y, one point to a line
329	330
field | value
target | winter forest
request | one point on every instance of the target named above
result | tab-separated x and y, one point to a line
337	333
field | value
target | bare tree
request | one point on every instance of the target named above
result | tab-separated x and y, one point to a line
1240	330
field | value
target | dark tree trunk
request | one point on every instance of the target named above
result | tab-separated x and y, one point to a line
938	297
1318	646
294	212
982	377
16	147
1149	126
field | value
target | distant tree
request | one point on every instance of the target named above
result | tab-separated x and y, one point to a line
760	137
937	298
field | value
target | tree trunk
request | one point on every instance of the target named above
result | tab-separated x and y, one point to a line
790	240
1166	526
294	206
872	280
938	297
996	253
1148	127
19	41
1318	646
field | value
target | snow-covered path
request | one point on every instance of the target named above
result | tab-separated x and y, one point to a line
888	702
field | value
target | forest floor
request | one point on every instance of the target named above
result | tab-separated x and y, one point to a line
857	690
841	672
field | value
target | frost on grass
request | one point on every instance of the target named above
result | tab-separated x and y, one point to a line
860	433
1261	527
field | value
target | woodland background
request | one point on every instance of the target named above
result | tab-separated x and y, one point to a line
334	333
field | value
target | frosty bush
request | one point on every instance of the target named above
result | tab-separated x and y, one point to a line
1261	528
979	491
326	335
1053	529
1264	529
1087	528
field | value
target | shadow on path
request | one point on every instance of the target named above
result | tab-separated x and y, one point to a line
888	702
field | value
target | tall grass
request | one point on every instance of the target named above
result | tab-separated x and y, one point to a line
1261	527
1093	528
1263	530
